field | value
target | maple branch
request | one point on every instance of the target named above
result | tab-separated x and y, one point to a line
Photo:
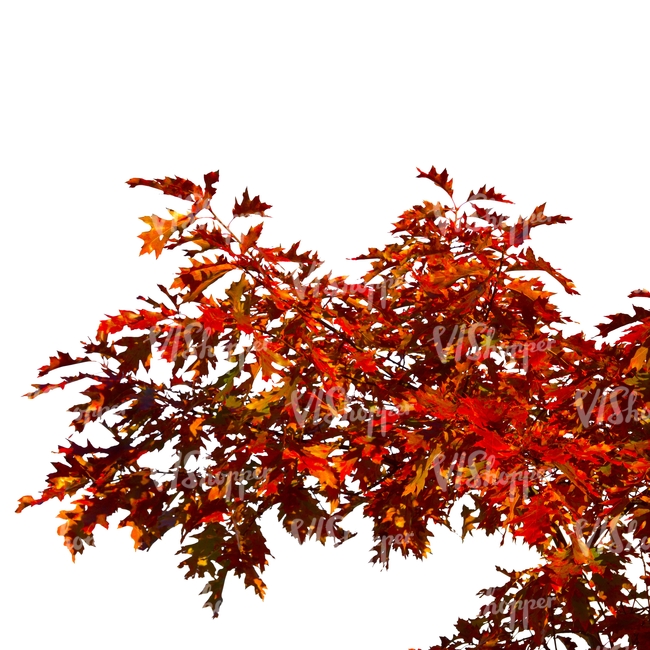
645	575
232	234
494	287
350	342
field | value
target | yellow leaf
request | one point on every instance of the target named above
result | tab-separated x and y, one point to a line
261	404
325	477
161	230
320	451
581	552
422	469
136	534
638	360
195	427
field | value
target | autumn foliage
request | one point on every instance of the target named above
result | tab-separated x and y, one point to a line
442	379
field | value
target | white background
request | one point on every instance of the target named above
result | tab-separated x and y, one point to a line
325	110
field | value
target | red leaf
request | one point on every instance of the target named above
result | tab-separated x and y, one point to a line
487	195
210	179
44	388
251	237
62	359
250	206
179	187
619	320
366	361
140	320
440	179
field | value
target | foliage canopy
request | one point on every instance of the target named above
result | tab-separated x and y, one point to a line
443	377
